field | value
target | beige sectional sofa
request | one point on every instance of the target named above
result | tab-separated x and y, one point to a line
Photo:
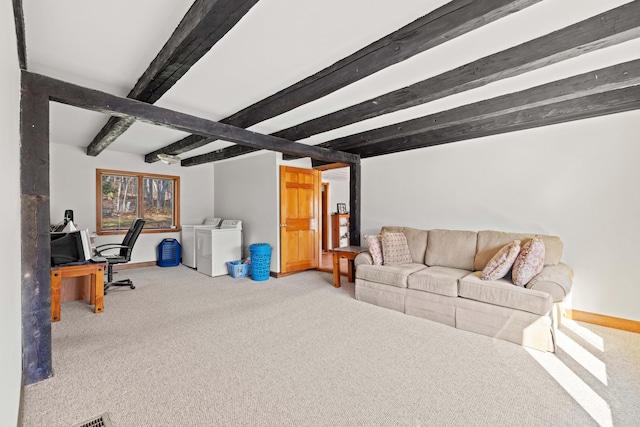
443	284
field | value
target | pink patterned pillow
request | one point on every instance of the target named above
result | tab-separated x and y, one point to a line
530	261
501	262
395	249
375	248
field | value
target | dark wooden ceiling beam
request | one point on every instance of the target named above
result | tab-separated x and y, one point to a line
90	99
221	154
445	23
603	80
609	28
18	17
188	143
612	27
610	102
206	22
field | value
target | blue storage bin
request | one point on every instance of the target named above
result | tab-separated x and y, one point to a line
260	261
237	269
169	251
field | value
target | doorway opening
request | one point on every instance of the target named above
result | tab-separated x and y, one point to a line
335	188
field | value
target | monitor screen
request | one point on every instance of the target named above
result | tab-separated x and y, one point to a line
69	248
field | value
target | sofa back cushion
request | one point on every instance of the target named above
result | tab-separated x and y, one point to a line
417	240
490	242
451	248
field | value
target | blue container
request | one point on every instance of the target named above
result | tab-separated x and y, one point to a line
260	261
237	269
169	251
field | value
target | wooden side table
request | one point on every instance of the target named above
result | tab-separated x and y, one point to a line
350	253
96	271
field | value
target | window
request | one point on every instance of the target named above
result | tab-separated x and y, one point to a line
123	196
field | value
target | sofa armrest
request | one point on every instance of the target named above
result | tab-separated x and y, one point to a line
363	258
556	280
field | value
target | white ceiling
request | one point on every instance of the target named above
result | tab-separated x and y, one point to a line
108	45
338	174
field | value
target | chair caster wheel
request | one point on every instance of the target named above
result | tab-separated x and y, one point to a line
132	287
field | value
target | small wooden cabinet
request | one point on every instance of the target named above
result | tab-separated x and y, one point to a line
339	230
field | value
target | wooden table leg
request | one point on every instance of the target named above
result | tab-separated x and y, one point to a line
351	271
56	281
97	286
92	289
336	270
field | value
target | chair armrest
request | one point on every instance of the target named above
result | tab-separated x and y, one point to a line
98	250
556	280
363	258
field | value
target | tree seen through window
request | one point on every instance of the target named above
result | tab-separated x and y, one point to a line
125	196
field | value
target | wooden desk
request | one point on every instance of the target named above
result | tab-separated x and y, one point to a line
350	253
96	271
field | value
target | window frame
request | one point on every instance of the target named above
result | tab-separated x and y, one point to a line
140	176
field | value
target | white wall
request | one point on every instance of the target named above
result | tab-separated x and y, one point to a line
338	193
10	260
73	186
577	180
248	189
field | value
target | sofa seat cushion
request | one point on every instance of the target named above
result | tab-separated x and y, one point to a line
504	293
393	275
437	280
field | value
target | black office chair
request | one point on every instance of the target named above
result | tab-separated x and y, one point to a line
123	256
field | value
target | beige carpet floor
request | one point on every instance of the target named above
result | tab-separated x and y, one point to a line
185	349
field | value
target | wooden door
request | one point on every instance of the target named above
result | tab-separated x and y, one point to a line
299	219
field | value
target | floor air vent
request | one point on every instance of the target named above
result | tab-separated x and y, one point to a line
100	421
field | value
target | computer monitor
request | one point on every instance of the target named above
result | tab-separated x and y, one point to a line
72	247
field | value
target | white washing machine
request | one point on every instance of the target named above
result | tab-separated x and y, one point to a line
215	247
188	240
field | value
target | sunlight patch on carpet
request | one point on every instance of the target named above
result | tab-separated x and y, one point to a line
591	363
584	395
584	333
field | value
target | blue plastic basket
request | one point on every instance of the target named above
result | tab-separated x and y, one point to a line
237	269
260	261
169	251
